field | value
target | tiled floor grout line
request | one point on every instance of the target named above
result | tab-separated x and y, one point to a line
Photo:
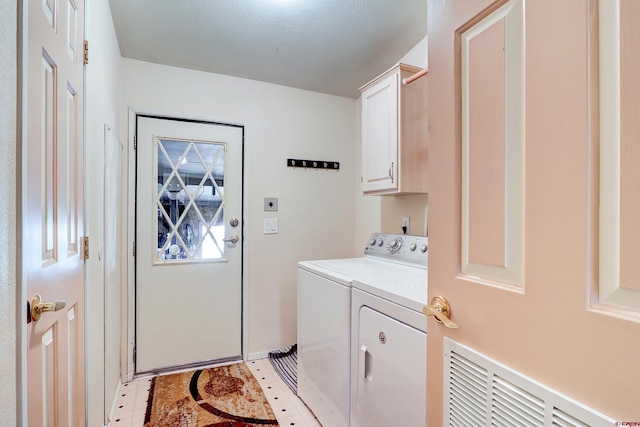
289	410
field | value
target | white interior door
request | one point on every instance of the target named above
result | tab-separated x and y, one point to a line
52	219
516	218
380	133
188	243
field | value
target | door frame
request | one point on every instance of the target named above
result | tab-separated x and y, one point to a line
129	305
21	282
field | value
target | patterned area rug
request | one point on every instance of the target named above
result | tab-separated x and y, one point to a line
225	396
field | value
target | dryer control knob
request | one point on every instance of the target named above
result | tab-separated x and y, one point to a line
413	247
380	242
423	248
394	246
372	242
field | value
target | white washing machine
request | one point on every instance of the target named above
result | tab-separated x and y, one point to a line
389	351
324	318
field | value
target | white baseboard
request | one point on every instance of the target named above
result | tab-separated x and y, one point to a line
114	402
258	355
261	354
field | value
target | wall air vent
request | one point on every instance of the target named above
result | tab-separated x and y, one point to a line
481	392
468	392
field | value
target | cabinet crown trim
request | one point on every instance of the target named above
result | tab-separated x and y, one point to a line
398	67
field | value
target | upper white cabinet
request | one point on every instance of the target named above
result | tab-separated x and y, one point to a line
394	133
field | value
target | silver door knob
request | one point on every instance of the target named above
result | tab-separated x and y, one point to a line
233	239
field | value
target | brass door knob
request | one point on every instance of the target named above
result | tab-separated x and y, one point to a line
38	307
441	310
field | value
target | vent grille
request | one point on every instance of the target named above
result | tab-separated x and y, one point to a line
562	419
468	383
514	406
482	392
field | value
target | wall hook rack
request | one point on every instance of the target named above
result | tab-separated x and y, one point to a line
313	164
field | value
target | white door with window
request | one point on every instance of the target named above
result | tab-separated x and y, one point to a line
188	243
52	216
534	221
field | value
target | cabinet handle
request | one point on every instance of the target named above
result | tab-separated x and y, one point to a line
391	172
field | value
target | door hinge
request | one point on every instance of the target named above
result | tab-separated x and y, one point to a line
134	249
85	248
86	52
135	141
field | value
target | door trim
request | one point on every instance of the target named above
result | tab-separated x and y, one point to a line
21	282
128	369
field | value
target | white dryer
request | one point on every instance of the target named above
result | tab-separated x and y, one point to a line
324	318
389	351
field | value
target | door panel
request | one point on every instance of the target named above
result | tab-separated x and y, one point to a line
53	212
544	322
620	205
493	146
188	260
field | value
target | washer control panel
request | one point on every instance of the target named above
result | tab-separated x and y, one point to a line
399	247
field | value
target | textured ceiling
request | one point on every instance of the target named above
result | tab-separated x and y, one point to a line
328	46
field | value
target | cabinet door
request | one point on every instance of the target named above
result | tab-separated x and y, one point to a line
380	136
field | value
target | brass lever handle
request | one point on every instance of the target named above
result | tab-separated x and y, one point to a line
233	239
38	307
441	310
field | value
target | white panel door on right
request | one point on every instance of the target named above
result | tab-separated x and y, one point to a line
391	385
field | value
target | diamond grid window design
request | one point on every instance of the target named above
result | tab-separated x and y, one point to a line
190	200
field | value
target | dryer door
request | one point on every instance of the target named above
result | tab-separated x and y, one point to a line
391	380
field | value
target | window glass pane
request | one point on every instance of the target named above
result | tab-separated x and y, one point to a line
190	200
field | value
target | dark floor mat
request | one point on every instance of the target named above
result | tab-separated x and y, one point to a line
285	362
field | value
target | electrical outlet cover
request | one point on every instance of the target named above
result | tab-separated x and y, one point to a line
406	225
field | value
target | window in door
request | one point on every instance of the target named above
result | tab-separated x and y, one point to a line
190	200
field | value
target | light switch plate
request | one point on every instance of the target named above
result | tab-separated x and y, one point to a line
271	204
270	225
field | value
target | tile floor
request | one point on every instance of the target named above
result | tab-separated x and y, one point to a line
289	410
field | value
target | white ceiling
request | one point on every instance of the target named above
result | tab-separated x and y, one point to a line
328	46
